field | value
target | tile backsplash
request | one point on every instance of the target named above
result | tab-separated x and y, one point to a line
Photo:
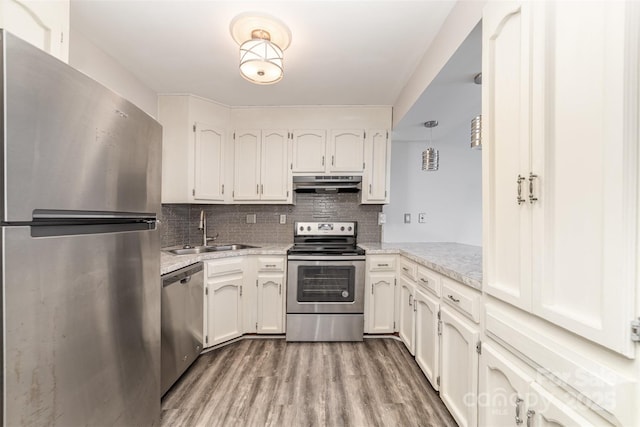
180	221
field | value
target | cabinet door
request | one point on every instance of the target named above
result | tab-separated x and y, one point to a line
427	343
547	410
209	149
503	390
224	310
406	328
346	149
377	160
275	172
44	24
585	154
309	148
459	367
505	155
270	303
246	184
381	303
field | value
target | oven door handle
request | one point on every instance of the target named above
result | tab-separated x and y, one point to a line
326	258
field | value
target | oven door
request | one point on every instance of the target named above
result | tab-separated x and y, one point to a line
321	285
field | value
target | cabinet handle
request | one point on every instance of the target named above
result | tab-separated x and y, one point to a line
532	198
322	160
240	290
333	160
452	298
424	281
257	188
270	265
410	299
372	289
405	269
261	189
383	265
369	188
222	188
279	288
530	414
518	404
415	306
520	199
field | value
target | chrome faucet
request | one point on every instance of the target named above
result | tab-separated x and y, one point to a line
203	227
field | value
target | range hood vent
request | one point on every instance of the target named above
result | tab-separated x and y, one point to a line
327	184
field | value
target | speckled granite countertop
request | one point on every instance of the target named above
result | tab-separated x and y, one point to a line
170	262
459	262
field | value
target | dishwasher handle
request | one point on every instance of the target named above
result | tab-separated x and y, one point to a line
182	276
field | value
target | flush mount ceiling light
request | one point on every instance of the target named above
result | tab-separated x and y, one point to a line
430	156
262	39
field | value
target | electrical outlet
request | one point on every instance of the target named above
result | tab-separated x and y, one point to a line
382	218
422	217
251	218
407	218
283	219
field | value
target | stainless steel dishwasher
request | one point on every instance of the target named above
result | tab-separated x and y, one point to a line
182	305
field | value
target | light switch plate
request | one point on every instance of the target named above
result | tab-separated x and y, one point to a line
422	217
251	218
283	219
407	218
382	218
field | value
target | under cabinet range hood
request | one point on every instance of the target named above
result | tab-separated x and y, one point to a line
327	184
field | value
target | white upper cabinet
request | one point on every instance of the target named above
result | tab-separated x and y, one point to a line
209	163
246	182
309	150
194	150
275	174
560	161
376	177
44	24
261	169
343	152
346	151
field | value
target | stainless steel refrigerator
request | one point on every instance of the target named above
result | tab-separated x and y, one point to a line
80	248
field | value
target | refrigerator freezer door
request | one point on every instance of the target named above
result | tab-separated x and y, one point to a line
82	329
70	143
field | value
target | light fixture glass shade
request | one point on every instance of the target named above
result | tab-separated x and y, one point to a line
261	61
430	159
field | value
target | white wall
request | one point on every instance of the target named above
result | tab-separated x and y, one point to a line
452	196
93	61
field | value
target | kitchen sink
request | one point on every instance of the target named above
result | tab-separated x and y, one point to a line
203	249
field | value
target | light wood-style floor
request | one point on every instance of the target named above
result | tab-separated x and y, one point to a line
269	382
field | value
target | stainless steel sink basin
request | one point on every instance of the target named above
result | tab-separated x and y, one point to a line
203	249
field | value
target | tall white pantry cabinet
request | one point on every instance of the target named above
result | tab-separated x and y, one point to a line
560	180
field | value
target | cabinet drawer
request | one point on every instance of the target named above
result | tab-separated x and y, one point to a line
429	280
271	264
465	300
382	263
224	266
408	268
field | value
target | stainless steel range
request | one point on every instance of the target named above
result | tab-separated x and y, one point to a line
325	296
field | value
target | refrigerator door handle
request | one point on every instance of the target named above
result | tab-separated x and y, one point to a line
75	215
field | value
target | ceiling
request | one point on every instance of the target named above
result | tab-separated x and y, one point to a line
341	53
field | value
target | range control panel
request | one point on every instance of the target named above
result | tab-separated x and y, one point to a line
325	228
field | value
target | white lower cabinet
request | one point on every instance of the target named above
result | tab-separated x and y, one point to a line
379	312
406	328
502	390
510	396
427	339
223	319
459	367
270	295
